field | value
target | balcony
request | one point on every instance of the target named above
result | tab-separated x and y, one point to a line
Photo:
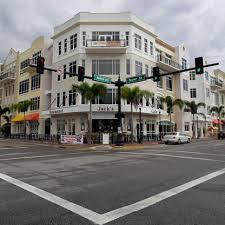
25	66
117	46
7	76
216	84
167	64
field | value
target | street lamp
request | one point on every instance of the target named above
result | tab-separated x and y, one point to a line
159	124
140	130
197	128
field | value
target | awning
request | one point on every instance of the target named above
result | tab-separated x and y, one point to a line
18	118
218	122
32	117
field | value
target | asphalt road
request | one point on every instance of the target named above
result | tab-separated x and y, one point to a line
162	185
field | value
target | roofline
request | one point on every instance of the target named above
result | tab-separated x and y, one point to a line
163	43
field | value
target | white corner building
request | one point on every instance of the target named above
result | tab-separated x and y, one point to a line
113	44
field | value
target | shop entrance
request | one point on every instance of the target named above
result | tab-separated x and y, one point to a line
104	125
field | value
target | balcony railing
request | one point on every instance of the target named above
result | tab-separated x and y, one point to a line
9	75
216	83
168	61
108	44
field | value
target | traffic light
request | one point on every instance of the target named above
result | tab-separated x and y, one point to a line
40	65
156	74
199	69
81	73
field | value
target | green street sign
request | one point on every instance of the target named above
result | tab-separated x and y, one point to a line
139	78
102	79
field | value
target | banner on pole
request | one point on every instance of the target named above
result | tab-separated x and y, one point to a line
71	139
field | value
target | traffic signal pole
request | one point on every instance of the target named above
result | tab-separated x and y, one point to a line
120	84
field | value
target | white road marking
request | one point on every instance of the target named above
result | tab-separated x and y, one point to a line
123	211
5	148
173	156
86	213
19	153
22	147
42	156
28	157
198	153
101	219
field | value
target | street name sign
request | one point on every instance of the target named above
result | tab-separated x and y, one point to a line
102	79
135	79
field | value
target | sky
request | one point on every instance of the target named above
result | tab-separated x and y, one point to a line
199	25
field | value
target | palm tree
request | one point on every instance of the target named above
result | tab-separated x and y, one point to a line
22	107
170	103
218	110
193	107
133	95
90	92
3	111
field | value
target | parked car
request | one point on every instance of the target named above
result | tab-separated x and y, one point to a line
176	138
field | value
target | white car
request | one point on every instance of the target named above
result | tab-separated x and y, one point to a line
176	138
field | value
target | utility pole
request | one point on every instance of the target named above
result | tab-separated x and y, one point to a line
119	115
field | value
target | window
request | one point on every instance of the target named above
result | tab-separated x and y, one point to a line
107	99
13	89
146	45
72	97
61	125
151	48
192	75
35	82
9	90
169	83
73	41
138	68
207	92
35	57
184	64
24	86
127	38
128	66
83	63
65	45
222	100
193	93
186	126
159	103
146	70
35	103
185	85
138	41
64	99
73	68
71	127
6	91
64	70
105	36
58	77
24	64
106	66
60	48
160	83
206	75
84	38
58	99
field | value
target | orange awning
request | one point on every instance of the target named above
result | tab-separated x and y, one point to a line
218	122
32	117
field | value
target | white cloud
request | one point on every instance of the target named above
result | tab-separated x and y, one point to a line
198	24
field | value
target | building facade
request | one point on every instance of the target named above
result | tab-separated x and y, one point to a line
208	88
112	45
34	87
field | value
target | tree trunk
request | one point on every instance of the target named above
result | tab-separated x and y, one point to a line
219	124
193	127
131	125
24	121
170	122
90	125
0	120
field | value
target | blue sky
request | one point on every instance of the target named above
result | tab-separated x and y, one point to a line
198	24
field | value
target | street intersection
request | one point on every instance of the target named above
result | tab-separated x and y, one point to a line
163	185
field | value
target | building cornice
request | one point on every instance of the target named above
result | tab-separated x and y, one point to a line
103	23
164	44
